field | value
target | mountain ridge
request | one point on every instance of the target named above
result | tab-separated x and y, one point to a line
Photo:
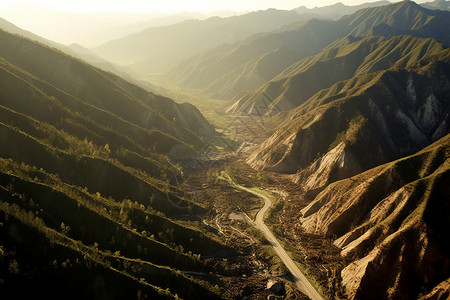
189	36
300	81
199	73
359	119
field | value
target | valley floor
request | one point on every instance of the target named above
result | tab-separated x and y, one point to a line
231	214
232	209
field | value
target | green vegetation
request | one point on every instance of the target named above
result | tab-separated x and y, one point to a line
90	163
306	77
396	211
286	73
86	190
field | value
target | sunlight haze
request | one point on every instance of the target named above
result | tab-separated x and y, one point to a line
172	6
91	23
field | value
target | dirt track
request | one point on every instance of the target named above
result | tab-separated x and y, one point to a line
300	279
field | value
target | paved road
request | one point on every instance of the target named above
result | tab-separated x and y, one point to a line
300	280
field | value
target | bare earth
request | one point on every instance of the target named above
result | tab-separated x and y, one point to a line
300	280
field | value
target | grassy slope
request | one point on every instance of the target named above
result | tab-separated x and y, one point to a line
180	41
302	80
85	183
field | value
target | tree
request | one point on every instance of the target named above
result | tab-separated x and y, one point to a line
65	228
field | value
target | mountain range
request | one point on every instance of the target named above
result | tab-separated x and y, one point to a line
393	226
364	133
359	103
94	28
337	10
350	57
156	48
230	71
75	50
78	144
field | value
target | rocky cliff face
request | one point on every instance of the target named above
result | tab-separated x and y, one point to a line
102	93
390	222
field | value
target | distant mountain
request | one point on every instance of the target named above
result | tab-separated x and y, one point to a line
405	17
10	27
75	50
234	70
94	28
364	132
85	183
390	223
437	4
84	28
230	70
360	123
349	58
157	48
121	30
371	154
338	10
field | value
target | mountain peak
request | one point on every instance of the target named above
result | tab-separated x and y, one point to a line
339	4
409	3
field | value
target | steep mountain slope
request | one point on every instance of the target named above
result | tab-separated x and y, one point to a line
390	223
347	59
160	47
85	189
360	123
104	91
215	71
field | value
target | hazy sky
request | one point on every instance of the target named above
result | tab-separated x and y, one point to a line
79	21
172	6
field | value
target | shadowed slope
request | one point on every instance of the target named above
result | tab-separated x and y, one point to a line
86	162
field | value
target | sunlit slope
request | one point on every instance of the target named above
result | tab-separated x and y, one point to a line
101	91
339	9
391	224
303	79
160	47
231	71
74	49
87	205
405	17
360	123
437	4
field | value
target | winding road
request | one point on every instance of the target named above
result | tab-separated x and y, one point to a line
299	278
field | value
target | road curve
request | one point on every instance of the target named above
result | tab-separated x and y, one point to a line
299	278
